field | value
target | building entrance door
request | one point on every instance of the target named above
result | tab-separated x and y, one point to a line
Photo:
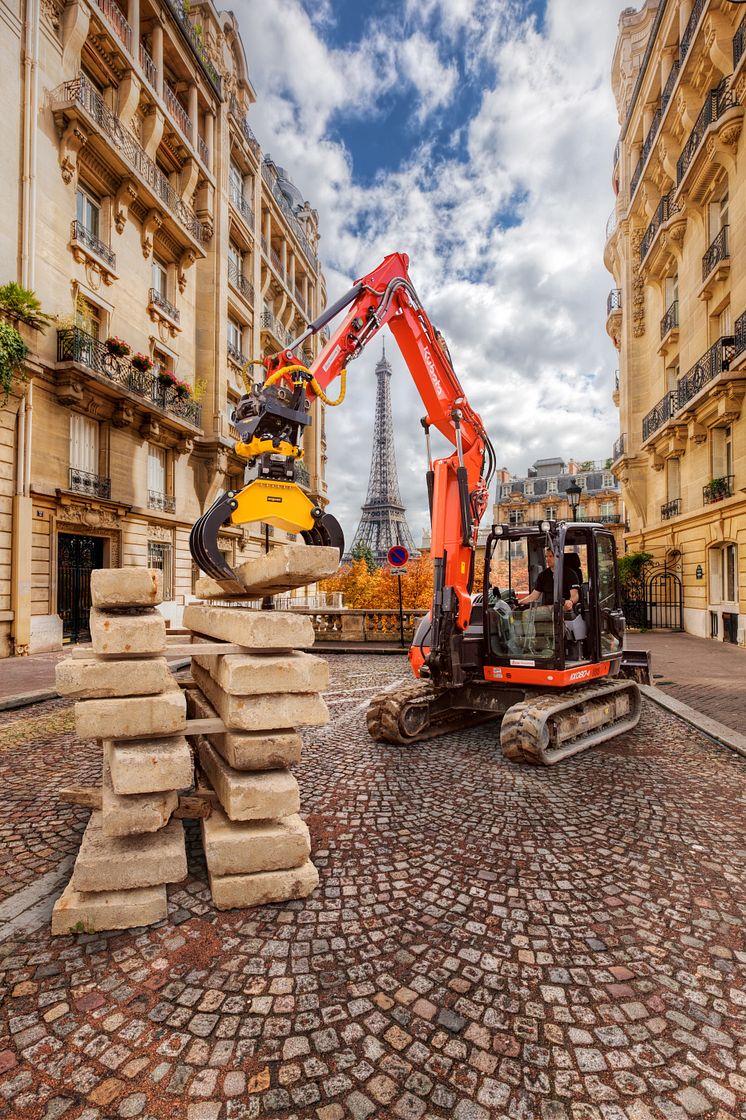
77	556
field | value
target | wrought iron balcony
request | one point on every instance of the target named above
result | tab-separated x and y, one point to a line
81	93
157	300
739	43
204	151
240	203
236	355
295	225
302	477
717	252
665	210
671	509
166	503
81	234
149	68
739	337
712	363
95	485
616	380
240	116
617	152
663	411
75	345
717	489
179	10
670	83
116	18
177	111
716	103
239	281
690	29
671	319
611	224
276	260
614	301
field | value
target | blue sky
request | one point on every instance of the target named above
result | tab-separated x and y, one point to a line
475	135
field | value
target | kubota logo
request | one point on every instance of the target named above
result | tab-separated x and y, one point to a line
429	363
580	675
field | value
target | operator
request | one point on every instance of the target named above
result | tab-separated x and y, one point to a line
544	587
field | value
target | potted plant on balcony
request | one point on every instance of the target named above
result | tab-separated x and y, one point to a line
182	389
12	353
717	489
165	378
21	305
117	347
141	363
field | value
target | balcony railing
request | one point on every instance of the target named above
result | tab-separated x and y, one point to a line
166	503
75	345
619	448
614	301
666	209
302	477
177	111
295	225
691	27
274	256
178	9
240	116
236	355
148	67
739	337
716	103
80	92
116	18
616	380
164	305
670	319
203	151
240	203
617	152
717	489
663	411
713	362
611	224
239	281
80	233
671	509
717	252
95	485
739	43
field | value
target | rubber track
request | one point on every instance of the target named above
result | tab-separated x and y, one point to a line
386	709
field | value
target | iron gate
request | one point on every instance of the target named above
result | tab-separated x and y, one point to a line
654	600
77	556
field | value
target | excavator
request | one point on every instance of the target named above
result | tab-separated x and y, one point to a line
558	681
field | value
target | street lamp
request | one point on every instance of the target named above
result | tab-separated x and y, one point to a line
573	492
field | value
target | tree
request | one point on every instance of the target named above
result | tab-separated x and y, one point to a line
22	305
364	552
631	567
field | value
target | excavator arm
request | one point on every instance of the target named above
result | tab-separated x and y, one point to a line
271	420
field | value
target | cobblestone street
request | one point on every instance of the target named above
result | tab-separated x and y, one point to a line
487	940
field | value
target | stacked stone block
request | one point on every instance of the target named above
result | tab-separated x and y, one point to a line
130	702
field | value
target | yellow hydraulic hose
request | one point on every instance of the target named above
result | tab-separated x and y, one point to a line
287	370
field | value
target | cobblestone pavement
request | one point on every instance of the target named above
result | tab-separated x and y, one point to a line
487	941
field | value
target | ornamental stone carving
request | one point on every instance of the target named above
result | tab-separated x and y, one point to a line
152	223
73	139
638	288
123	200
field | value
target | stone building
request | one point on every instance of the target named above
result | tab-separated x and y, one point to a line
146	212
676	248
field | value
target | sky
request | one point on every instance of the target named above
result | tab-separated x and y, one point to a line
477	137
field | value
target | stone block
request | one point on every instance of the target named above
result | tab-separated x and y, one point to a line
132	717
88	912
149	765
249	750
268	711
95	679
247	674
230	892
137	813
242	848
282	569
46	633
254	629
126	587
142	630
120	863
264	795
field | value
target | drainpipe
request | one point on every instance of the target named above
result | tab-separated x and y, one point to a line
30	109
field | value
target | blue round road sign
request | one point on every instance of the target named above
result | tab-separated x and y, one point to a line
398	556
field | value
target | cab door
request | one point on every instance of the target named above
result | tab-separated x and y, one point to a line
606	593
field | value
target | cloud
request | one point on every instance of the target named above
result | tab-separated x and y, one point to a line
504	220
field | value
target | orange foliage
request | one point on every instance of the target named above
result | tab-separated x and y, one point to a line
378	590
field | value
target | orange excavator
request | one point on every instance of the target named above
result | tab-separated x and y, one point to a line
557	679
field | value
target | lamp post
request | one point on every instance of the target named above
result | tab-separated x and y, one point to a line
573	493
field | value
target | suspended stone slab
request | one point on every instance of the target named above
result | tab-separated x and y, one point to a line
230	892
89	912
126	587
96	679
264	795
120	863
240	848
252	629
284	568
265	712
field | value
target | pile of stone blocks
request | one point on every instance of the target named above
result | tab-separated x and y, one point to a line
129	701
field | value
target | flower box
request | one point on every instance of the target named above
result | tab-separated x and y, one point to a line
142	363
117	347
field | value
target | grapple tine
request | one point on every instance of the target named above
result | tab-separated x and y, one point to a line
203	544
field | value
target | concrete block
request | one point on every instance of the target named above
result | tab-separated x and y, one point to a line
254	629
46	633
249	750
249	674
143	630
87	912
284	568
241	848
120	863
269	711
149	765
95	679
126	587
230	892
135	814
132	717
264	795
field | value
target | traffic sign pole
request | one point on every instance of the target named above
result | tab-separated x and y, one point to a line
401	610
397	558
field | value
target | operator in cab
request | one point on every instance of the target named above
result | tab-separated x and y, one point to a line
543	591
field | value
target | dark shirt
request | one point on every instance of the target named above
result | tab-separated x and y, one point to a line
545	583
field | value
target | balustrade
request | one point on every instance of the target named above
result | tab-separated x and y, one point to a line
718	100
83	235
95	485
718	251
671	319
671	509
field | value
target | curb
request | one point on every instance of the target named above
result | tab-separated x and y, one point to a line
26	699
726	736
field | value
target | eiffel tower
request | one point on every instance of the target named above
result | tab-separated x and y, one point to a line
383	523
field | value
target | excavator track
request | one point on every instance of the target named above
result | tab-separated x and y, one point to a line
548	727
404	715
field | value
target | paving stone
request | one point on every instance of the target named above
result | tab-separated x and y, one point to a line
149	765
249	750
250	796
267	712
95	679
283	568
253	629
135	813
254	674
133	717
126	587
123	862
88	912
139	630
232	891
233	848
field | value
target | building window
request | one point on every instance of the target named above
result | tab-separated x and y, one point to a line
725	323
159	278
515	517
88	212
160	558
552	485
723	574
548	513
608	481
235	259
83	443
608	509
718	215
235	336
580	512
235	181
156	469
88	317
672	290
722	452
528	489
507	489
673	480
